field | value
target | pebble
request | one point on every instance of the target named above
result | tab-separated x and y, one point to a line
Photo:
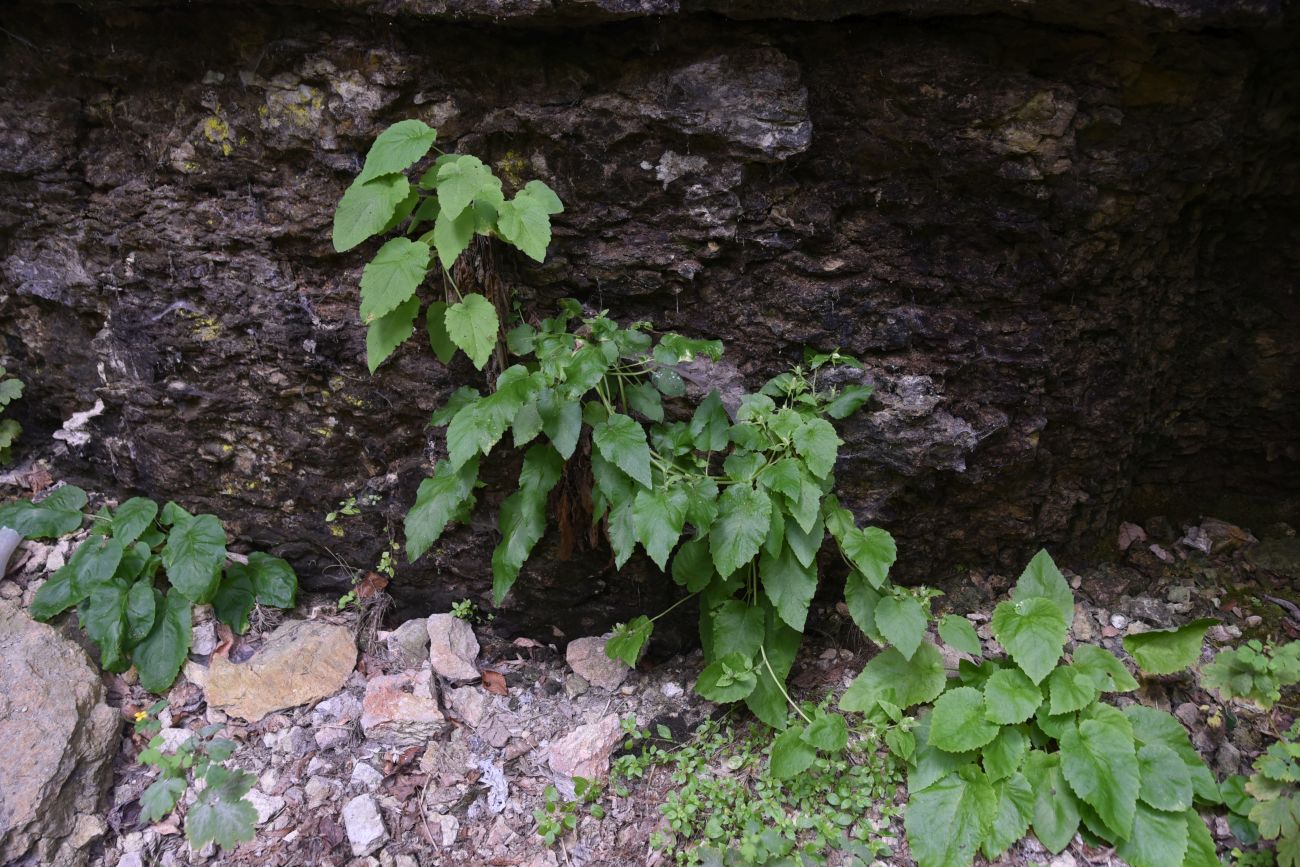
364	825
365	776
265	805
1118	621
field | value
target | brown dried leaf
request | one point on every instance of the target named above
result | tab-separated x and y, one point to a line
494	683
371	584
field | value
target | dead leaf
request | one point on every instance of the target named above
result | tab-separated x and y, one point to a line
39	479
494	683
371	584
166	828
225	640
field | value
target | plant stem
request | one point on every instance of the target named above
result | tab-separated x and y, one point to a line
675	604
779	686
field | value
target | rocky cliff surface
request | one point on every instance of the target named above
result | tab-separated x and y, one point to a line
1063	237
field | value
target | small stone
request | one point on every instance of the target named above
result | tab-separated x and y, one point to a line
265	805
501	832
1129	534
448	827
586	656
172	738
1188	714
1252	621
394	711
584	752
575	685
342	708
332	737
365	776
1222	830
302	661
470	703
131	859
452	647
1179	593
364	825
671	690
203	639
317	791
1081	629
1222	634
1227	759
408	644
1161	554
1065	859
1118	621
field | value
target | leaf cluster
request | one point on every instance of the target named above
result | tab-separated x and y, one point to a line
1026	742
558	816
220	814
1254	671
1266	805
134	580
455	199
11	388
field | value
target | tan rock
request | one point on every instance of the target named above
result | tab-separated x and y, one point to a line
586	656
399	710
302	661
584	752
452	647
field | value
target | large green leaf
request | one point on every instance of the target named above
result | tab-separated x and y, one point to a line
1201	850
195	553
561	421
1004	755
524	222
1033	632
789	584
461	179
902	621
398	148
523	516
435	320
947	821
159	657
390	331
392	277
55	596
1164	651
1151	726
132	518
744	514
621	441
729	678
103	616
658	516
234	599
1015	812
958	722
1108	674
1041	579
1011	697
221	815
891	677
628	639
1070	690
274	581
780	644
1158	839
93	563
1166	783
1056	811
472	324
957	632
709	424
692	565
141	611
1099	761
437	502
452	236
366	208
56	515
791	754
818	444
862	599
872	551
849	401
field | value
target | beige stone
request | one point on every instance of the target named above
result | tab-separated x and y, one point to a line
584	752
452	647
302	661
586	656
399	710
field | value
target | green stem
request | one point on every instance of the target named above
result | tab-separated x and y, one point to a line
675	604
779	686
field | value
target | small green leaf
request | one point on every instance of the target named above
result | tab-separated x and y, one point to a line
892	678
159	657
472	325
55	596
730	678
849	401
709	424
1165	781
274	581
195	553
103	616
1056	810
827	731
628	639
1201	850
398	148
958	722
658	516
692	566
366	208
132	518
1165	651
390	331
1158	839
1107	672
947	821
621	441
435	317
780	644
1011	697
862	600
901	620
818	444
791	754
1151	726
452	235
93	563
561	421
1004	755
461	179
545	197
221	815
160	798
958	634
735	538
1033	632
1015	812
525	222
1070	690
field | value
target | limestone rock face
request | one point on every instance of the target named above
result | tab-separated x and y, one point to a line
302	661
58	740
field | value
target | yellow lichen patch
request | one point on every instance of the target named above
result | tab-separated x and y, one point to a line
206	328
217	131
511	166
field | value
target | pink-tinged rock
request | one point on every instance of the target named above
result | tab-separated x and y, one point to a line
452	647
302	661
586	656
398	709
584	752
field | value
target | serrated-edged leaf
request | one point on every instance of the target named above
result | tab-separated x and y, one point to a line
544	195
893	678
957	632
1276	817
789	585
1158	839
1288	851
729	678
1164	779
523	516
160	798
828	731
862	599
1099	761
1070	690
628	640
620	529
744	514
159	657
1041	579
451	236
692	565
958	722
947	821
1010	697
195	553
791	755
527	424
234	598
526	222
902	621
1151	726
928	763
1033	632
10	389
1201	850
1015	812
1108	674
366	208
871	551
1056	811
392	276
780	644
622	442
784	477
460	180
141	611
1004	755
390	331
710	423
472	324
132	518
818	445
658	516
1164	651
561	421
435	319
644	398
221	815
398	148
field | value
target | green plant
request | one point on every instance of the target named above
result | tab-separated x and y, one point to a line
740	508
1027	741
466	610
559	816
220	814
11	389
1254	671
1266	805
350	507
112	578
727	806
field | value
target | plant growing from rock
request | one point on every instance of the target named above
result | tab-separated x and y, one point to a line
220	814
737	510
114	578
11	388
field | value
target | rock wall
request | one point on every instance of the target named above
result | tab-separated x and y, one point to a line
1063	236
